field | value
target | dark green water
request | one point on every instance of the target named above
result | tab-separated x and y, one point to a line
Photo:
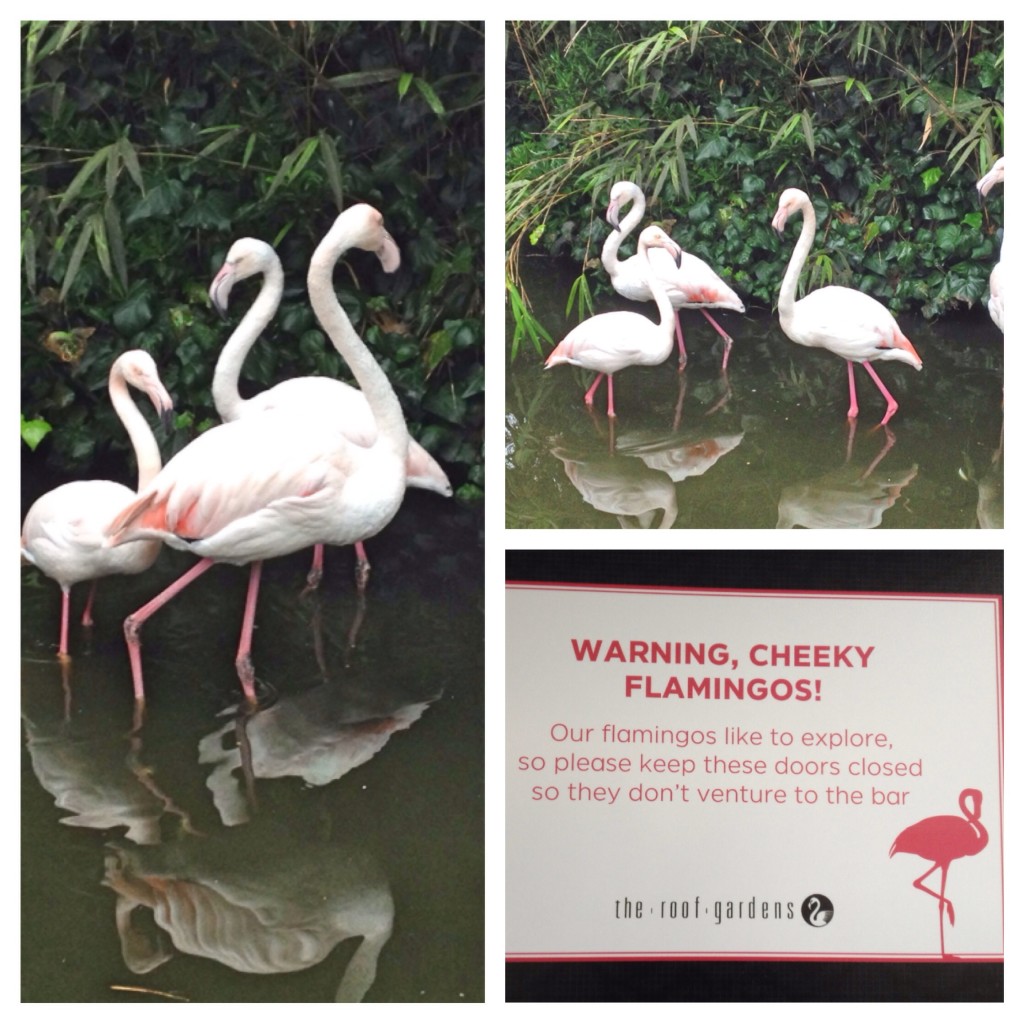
767	447
218	857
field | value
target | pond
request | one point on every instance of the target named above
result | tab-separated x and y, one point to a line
326	846
767	445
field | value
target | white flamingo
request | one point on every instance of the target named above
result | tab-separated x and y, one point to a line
996	291
268	485
610	341
63	532
248	257
843	320
691	284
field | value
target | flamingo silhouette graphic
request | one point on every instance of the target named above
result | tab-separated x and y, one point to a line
942	839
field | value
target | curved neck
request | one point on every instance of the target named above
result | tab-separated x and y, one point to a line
147	453
226	397
610	250
787	293
376	388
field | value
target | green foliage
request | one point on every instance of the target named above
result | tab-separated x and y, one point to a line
149	147
33	431
886	125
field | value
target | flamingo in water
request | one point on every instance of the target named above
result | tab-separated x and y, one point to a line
691	284
610	341
268	485
843	320
942	839
248	257
63	532
995	281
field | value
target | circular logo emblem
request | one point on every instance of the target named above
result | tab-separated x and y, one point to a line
817	910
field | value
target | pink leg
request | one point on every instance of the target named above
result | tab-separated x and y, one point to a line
611	399
87	614
589	396
852	414
363	566
728	341
243	660
891	404
133	624
65	610
679	338
316	570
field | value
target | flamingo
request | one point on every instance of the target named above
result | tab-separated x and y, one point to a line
691	284
843	320
268	485
63	532
610	341
942	839
246	258
995	281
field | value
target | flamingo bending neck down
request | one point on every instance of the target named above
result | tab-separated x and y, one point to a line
843	320
63	532
690	284
330	397
610	341
943	839
268	485
996	292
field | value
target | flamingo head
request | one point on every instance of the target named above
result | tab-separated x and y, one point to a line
994	175
654	237
790	201
622	192
248	256
974	796
139	370
362	227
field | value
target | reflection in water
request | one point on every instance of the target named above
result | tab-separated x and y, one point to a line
638	480
318	736
847	498
281	892
990	488
283	911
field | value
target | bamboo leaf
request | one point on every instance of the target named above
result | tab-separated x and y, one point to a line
250	145
81	179
332	168
432	99
403	84
75	260
360	79
99	237
115	238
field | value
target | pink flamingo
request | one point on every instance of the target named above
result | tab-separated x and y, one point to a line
943	839
610	341
843	320
269	485
690	283
246	258
63	532
995	281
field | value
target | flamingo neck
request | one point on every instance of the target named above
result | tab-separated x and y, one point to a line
610	250
787	293
666	314
392	432
226	397
147	452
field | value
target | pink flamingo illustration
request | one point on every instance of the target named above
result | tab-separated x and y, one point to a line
942	839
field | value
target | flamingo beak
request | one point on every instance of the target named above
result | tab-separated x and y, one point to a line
612	214
220	289
388	253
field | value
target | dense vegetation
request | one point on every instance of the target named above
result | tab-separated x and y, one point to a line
147	148
886	125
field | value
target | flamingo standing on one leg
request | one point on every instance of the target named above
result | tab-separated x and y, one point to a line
942	839
63	532
246	258
610	341
269	485
843	320
691	284
996	293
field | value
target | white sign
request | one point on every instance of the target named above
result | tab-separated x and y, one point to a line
745	774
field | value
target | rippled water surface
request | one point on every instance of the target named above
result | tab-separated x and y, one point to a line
766	446
327	846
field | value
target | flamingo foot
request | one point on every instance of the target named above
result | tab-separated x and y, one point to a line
316	571
246	676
